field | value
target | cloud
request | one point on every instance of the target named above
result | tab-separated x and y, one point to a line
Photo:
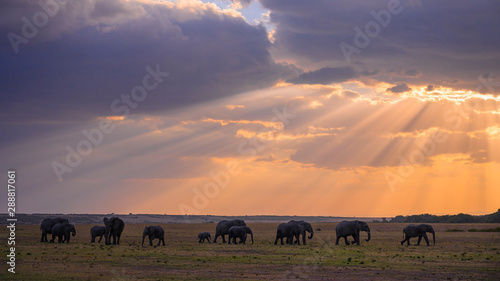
240	4
325	76
350	94
400	88
92	52
445	43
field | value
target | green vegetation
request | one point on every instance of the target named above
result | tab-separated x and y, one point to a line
496	229
455	230
460	218
456	256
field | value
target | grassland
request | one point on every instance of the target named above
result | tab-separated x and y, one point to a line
456	256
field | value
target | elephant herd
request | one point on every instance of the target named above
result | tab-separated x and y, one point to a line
291	231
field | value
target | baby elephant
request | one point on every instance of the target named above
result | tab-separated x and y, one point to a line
97	231
154	232
239	232
62	232
204	235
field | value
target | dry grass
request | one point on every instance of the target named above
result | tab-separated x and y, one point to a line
457	255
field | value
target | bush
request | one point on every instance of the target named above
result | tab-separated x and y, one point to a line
455	230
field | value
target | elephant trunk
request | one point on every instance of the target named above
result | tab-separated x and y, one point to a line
251	235
368	236
311	236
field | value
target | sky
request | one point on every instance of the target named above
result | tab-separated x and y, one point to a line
263	107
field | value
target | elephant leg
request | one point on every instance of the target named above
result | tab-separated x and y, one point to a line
163	241
356	237
151	241
223	239
100	238
426	239
337	241
208	239
118	239
298	238
43	234
346	242
159	242
304	238
408	241
419	239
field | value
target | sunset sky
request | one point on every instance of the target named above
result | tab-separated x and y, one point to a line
268	107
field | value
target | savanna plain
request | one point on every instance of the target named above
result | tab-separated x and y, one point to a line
460	255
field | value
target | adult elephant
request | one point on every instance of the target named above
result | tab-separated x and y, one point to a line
97	231
239	232
153	232
303	227
47	224
204	236
114	227
288	231
62	231
223	227
351	228
418	231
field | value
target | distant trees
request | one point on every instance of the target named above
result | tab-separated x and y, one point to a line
459	218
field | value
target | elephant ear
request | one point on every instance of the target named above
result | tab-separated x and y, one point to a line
105	220
359	225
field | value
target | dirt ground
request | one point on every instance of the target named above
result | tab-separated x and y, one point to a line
456	255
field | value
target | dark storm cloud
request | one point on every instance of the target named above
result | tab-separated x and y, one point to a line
400	88
446	43
326	75
91	52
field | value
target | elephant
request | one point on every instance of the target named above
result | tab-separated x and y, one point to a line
304	226
239	232
62	232
419	231
47	225
204	235
114	227
97	231
288	231
223	228
351	228
154	232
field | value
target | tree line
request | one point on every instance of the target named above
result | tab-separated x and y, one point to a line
459	218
